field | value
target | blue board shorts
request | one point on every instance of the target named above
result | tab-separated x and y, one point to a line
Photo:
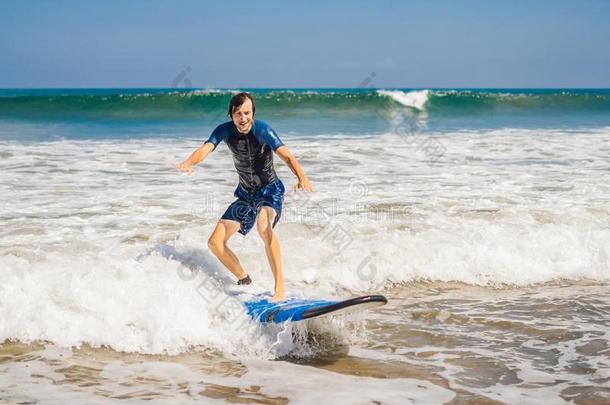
247	206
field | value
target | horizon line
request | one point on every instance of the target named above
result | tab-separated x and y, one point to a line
303	88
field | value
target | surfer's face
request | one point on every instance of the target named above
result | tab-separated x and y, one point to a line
242	117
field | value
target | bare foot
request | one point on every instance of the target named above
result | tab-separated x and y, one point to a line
278	295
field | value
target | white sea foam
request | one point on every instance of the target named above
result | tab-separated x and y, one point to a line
415	99
213	91
98	239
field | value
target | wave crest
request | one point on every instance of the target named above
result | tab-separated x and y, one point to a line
415	99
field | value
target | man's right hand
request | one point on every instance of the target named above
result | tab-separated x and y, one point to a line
185	167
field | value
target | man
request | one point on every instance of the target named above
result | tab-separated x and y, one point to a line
260	192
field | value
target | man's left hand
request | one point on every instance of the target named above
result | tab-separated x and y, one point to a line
303	185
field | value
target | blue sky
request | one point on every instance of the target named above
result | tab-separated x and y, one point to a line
110	43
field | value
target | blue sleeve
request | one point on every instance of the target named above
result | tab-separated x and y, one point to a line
220	134
268	136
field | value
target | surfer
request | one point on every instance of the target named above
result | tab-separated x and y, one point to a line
260	192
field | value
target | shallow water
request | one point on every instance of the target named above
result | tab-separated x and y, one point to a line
492	247
432	343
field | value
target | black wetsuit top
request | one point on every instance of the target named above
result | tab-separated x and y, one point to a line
252	152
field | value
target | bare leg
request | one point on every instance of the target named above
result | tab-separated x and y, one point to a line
218	245
264	226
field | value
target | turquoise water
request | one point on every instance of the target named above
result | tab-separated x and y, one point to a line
43	114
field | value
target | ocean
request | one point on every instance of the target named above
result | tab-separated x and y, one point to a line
483	215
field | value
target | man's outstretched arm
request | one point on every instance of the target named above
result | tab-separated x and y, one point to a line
294	165
199	155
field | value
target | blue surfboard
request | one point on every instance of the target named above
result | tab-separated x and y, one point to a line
301	309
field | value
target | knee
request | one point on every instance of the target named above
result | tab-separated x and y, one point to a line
215	245
266	232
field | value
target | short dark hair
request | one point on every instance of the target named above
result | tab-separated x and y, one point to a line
237	100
